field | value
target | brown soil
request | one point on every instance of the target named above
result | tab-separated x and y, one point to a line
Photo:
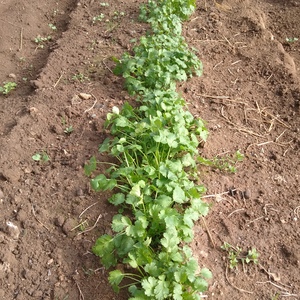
249	96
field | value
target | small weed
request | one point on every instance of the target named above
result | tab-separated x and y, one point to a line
226	163
7	87
105	4
275	297
235	255
40	41
80	77
69	130
98	18
43	157
52	26
81	226
291	40
118	14
88	272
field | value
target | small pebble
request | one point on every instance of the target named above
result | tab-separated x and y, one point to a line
85	96
59	221
247	194
12	230
79	192
68	226
12	75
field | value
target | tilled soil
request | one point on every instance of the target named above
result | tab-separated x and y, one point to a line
249	96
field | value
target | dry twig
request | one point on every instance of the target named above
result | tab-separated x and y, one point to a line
34	214
91	228
239	289
208	232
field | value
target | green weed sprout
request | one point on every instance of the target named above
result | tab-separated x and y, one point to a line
7	87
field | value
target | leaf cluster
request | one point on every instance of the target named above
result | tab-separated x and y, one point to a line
7	87
155	180
236	255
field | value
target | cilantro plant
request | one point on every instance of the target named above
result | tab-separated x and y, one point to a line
236	255
155	181
7	87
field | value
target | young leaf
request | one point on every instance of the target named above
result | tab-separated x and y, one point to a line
117	199
104	147
91	166
101	183
115	277
179	195
104	248
149	285
206	273
120	222
161	290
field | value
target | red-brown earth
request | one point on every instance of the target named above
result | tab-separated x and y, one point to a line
249	95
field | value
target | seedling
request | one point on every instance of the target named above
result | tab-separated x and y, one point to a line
226	163
79	77
52	26
105	4
7	87
40	41
118	14
69	130
291	40
98	18
43	157
236	256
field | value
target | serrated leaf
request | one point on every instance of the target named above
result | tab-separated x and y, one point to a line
170	240
117	199
103	248
114	278
104	147
200	284
120	222
123	244
161	289
91	166
179	195
149	285
137	294
101	183
206	273
177	291
190	216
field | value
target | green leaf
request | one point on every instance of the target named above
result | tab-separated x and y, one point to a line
104	147
120	222
177	291
91	166
161	290
104	248
123	244
136	189
37	157
189	216
179	195
149	285
137	293
170	240
117	199
200	284
101	183
206	273
114	278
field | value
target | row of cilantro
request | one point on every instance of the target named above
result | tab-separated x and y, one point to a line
156	145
